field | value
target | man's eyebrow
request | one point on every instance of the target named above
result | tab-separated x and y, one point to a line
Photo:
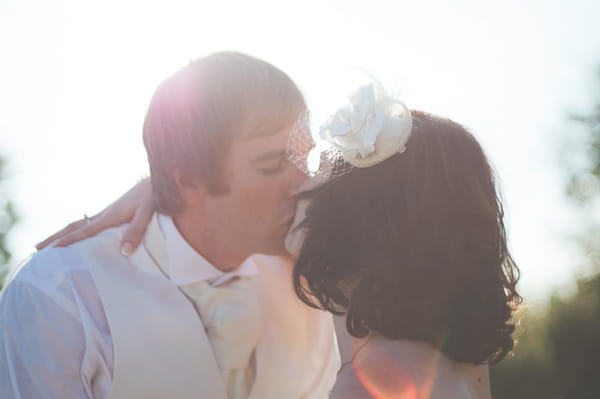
275	154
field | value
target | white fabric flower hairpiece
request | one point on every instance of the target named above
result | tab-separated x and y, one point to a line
370	129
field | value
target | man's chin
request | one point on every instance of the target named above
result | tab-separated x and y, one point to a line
277	252
276	249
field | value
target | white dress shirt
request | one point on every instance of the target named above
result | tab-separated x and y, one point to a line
187	266
55	342
226	304
54	336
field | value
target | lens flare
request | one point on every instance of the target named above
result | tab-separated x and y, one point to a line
390	379
401	386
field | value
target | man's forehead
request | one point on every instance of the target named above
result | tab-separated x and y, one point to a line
265	143
268	133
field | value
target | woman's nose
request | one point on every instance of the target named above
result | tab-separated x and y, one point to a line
297	181
307	184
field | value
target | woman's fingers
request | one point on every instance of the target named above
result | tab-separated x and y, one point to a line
65	231
132	237
135	206
89	228
80	230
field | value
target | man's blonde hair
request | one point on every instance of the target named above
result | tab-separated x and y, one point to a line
195	115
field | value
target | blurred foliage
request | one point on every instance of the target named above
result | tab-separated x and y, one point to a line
558	351
582	158
8	218
558	354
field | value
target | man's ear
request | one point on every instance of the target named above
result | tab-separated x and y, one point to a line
192	192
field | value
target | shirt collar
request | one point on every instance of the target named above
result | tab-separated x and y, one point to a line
187	266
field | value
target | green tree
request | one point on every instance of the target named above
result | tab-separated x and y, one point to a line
558	353
8	218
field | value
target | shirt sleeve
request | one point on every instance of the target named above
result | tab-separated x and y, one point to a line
41	346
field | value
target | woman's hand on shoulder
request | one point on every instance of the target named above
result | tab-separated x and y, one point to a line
135	206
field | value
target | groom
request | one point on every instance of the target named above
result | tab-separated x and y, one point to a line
190	314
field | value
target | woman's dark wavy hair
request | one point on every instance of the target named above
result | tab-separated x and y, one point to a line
415	247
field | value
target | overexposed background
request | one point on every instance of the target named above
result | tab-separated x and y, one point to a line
76	77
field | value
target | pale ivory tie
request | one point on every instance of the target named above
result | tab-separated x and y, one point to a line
231	317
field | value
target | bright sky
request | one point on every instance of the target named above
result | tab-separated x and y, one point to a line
76	77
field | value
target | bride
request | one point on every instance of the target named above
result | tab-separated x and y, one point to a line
402	236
